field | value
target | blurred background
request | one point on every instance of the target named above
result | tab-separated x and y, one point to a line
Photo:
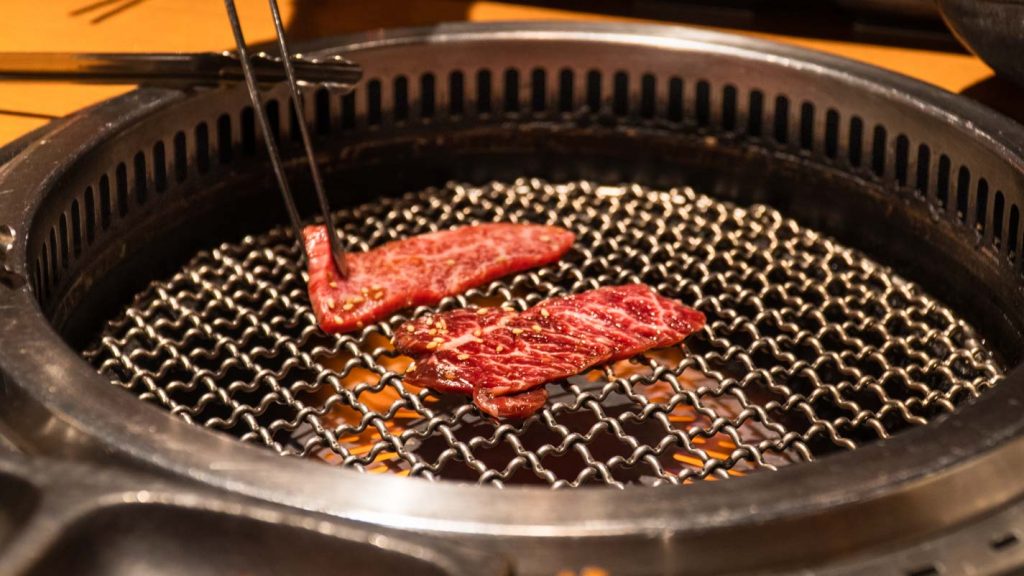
907	36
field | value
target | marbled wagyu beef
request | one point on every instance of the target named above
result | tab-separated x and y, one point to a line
503	358
421	270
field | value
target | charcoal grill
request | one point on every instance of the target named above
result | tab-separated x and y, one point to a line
853	236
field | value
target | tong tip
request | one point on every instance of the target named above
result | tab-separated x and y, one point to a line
338	256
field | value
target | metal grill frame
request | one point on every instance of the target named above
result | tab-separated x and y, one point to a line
65	517
55	402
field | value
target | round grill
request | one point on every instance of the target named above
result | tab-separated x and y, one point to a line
810	347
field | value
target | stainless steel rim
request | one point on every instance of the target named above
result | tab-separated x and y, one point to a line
70	407
51	507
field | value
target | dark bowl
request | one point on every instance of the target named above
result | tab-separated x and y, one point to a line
992	29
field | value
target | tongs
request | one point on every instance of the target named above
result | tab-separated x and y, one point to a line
209	69
337	250
172	69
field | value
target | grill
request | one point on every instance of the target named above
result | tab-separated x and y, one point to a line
809	344
853	237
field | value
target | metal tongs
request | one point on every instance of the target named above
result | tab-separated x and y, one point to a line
337	250
213	68
171	69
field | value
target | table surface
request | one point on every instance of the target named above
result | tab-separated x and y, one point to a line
187	25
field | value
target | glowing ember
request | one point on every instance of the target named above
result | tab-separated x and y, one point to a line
675	401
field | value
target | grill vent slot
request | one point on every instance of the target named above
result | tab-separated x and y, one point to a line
483	92
322	111
53	255
90	215
539	90
106	208
373	102
963	190
676	106
40	281
64	240
1012	233
729	108
755	116
428	96
998	210
348	111
878	151
648	96
47	277
981	216
942	183
565	90
401	106
782	120
902	159
703	103
807	126
180	157
121	189
856	140
456	93
139	164
224	139
293	121
831	134
248	120
203	145
45	273
76	228
594	91
924	156
620	94
511	90
273	110
159	167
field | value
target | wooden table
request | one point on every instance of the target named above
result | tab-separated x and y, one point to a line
182	25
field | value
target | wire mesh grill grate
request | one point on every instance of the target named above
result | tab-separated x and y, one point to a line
810	347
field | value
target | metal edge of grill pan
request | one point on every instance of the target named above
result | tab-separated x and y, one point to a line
68	517
66	408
